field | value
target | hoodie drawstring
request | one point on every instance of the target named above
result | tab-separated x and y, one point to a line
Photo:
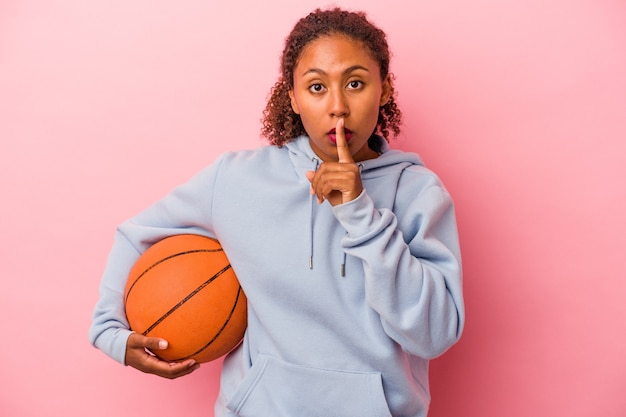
311	206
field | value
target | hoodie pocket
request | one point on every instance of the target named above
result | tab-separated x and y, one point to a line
280	389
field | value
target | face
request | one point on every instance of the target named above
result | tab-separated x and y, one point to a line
337	78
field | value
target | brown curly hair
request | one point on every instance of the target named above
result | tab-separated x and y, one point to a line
280	123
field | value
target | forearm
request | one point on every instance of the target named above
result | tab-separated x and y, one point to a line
109	329
415	287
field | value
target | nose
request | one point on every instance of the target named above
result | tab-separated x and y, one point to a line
338	106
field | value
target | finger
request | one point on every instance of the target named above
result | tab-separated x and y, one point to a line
171	370
177	369
343	152
313	177
338	178
139	356
152	343
323	185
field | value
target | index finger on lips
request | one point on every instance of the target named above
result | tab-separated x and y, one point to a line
343	152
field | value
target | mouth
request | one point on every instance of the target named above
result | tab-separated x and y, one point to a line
332	135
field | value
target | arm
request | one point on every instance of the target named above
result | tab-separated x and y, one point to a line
413	277
410	256
187	209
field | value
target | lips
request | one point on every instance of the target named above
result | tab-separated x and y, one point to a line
332	135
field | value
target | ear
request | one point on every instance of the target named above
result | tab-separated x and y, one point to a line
294	105
385	95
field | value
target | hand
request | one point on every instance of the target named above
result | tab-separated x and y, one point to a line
338	182
139	358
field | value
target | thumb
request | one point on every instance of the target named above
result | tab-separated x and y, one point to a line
343	152
152	343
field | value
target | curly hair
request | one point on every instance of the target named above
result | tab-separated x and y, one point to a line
280	123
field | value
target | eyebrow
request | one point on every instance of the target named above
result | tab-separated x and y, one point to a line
346	71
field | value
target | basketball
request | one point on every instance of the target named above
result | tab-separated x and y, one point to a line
183	289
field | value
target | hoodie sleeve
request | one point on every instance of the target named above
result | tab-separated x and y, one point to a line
187	209
412	264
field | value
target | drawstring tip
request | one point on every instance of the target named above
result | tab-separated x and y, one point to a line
310	262
343	270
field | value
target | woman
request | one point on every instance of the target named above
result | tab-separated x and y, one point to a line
347	251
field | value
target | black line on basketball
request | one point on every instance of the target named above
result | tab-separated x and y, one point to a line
230	315
187	298
167	258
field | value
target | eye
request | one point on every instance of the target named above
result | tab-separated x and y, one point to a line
316	88
355	85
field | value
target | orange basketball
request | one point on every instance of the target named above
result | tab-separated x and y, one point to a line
183	289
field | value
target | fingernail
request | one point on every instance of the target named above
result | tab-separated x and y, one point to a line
162	344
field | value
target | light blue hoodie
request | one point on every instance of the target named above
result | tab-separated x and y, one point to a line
346	304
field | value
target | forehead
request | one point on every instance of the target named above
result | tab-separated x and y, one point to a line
335	51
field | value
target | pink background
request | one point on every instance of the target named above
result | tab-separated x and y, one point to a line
520	106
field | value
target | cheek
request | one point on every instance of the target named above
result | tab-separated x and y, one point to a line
308	114
370	112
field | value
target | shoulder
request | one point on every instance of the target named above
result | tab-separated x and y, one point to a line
420	176
418	185
251	156
408	167
251	165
